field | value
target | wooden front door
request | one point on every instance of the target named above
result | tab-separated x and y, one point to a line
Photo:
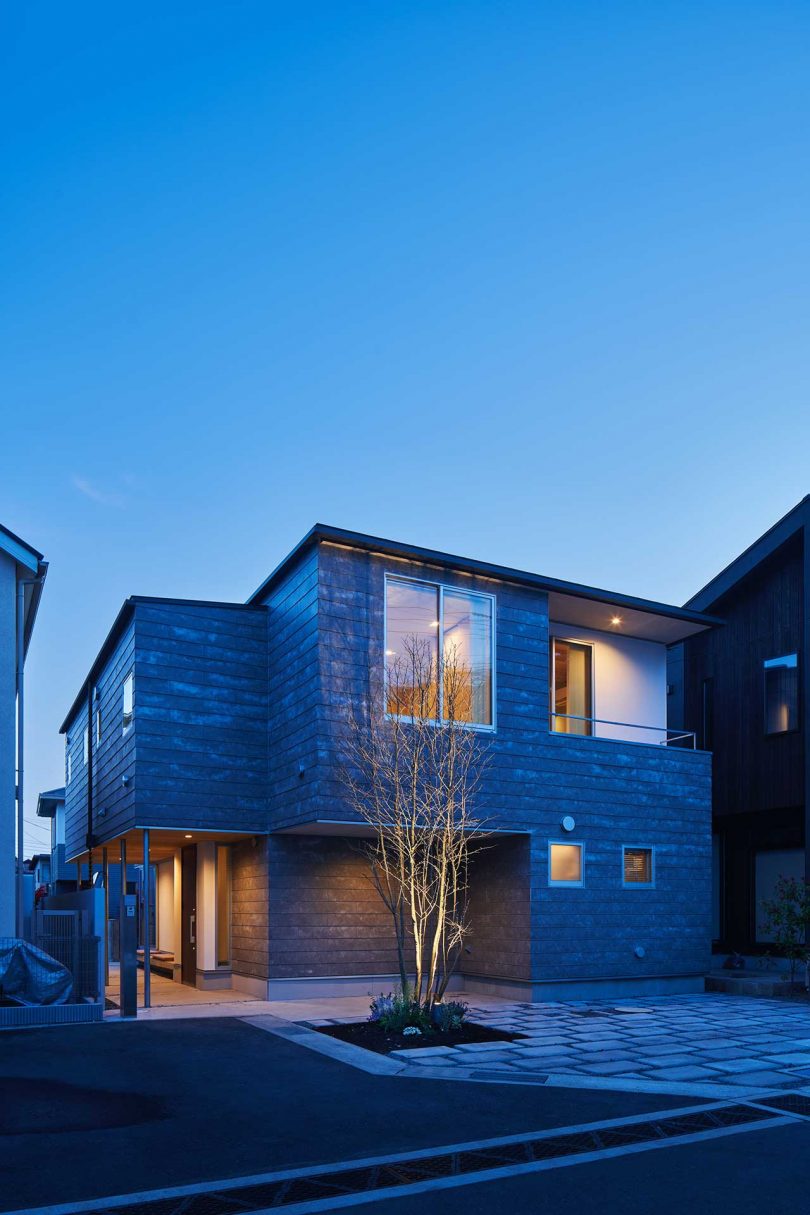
188	915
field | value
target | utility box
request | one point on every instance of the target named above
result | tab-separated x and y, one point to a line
128	949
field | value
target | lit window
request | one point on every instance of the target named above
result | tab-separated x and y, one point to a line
128	701
571	687
565	864
781	677
223	905
439	652
637	866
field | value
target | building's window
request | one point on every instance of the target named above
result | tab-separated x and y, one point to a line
223	905
128	701
781	694
86	744
98	727
68	763
768	868
571	687
565	864
424	621
637	867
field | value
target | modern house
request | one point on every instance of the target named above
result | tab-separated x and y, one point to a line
206	741
22	574
746	688
51	805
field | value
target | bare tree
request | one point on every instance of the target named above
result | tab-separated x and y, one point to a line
412	771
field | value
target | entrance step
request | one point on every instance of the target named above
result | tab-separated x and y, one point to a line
748	983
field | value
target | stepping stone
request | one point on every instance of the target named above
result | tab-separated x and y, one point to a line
804	1057
422	1052
742	1066
685	1073
618	1067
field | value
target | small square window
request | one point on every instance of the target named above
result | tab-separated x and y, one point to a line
637	867
565	864
128	702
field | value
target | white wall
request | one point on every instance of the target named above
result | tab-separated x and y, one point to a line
8	743
165	906
629	682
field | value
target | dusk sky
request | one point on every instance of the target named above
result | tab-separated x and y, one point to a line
527	282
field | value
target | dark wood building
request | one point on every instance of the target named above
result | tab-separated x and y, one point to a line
746	684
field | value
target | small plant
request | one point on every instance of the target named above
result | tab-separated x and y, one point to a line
397	1012
409	1030
788	918
449	1016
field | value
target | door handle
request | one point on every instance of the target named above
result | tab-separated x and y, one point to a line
192	927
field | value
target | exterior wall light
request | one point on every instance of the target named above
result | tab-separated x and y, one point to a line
568	823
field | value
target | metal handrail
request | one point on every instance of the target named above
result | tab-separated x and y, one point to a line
677	735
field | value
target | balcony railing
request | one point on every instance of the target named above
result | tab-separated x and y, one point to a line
665	737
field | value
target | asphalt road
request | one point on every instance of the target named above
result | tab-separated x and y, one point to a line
89	1111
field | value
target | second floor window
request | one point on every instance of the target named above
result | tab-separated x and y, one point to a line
439	644
128	702
571	687
781	676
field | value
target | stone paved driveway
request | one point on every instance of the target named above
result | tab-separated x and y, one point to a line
701	1039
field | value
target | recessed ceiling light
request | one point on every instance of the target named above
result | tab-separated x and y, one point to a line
615	620
188	837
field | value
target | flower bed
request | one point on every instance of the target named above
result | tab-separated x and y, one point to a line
372	1036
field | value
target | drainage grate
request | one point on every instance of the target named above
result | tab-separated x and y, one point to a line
369	1178
789	1103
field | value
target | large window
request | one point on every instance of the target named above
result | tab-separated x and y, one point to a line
781	694
571	687
565	864
439	652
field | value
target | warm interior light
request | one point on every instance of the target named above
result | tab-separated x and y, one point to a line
434	624
187	837
615	620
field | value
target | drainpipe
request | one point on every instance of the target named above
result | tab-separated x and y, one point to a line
21	585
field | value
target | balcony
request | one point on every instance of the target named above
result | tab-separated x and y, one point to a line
600	728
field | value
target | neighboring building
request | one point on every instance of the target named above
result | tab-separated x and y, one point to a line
746	686
212	732
51	805
22	574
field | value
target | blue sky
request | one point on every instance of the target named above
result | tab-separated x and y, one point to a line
523	281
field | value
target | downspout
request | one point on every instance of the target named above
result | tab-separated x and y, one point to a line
20	741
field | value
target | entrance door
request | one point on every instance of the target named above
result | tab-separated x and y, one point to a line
188	915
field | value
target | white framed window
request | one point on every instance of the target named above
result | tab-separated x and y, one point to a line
431	630
638	866
68	762
781	692
571	686
86	745
566	864
129	701
98	727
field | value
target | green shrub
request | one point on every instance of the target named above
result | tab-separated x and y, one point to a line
398	1010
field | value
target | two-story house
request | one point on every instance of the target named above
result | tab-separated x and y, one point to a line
745	686
207	740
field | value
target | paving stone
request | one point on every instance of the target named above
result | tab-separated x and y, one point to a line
728	1052
693	1072
762	1080
802	1057
483	1047
736	1066
422	1052
608	1069
672	1061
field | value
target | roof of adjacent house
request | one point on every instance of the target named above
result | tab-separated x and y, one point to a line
784	530
32	568
572	601
48	801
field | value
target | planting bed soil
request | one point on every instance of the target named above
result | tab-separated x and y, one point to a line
372	1036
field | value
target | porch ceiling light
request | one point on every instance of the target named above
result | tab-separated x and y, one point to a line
615	620
187	837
